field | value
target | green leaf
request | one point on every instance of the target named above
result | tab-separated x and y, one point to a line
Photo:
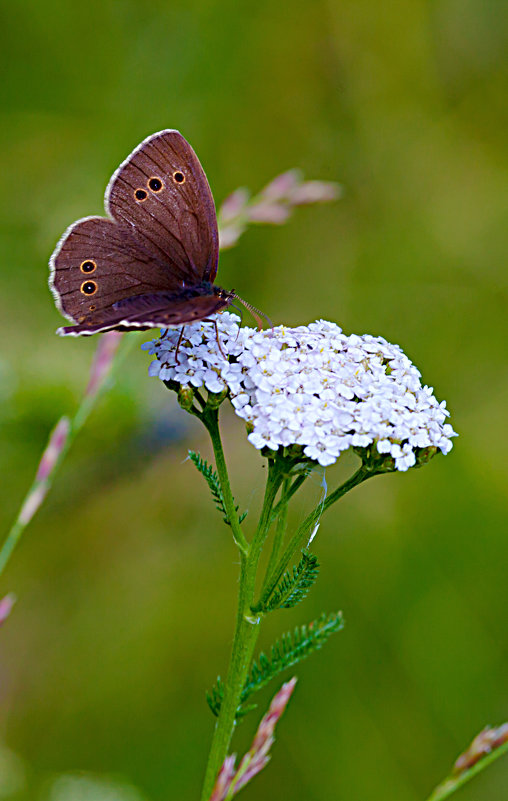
212	479
293	587
215	697
289	650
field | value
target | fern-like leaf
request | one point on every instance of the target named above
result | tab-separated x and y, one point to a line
212	479
289	650
293	587
215	697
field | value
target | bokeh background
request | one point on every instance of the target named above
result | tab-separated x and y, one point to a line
126	580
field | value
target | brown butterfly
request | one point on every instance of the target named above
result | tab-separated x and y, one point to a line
152	262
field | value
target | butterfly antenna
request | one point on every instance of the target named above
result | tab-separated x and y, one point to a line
255	312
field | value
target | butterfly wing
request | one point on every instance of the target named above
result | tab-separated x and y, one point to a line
160	241
161	192
159	310
97	263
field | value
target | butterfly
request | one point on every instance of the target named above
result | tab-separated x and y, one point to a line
152	262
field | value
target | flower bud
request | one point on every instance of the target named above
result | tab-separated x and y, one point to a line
186	397
295	452
375	462
424	455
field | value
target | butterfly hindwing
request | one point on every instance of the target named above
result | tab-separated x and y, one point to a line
96	263
159	310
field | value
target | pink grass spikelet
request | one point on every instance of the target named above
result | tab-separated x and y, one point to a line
6	605
282	186
234	205
228	782
315	192
224	779
53	450
103	359
269	212
484	743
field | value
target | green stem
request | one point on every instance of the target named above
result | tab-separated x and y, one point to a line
362	474
246	634
286	496
282	518
210	418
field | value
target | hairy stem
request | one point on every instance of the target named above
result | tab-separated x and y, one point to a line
288	493
280	530
304	530
210	418
246	634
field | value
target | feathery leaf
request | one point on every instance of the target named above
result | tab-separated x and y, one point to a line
289	650
293	587
215	697
212	479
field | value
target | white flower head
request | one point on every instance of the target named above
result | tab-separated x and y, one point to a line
311	386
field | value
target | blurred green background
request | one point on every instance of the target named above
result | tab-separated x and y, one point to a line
126	579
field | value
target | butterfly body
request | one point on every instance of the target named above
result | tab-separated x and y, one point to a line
152	262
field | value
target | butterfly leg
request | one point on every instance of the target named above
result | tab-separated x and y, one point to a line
182	329
218	339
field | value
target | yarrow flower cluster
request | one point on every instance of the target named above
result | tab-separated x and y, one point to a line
311	386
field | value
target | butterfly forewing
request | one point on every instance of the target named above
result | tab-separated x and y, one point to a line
161	190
